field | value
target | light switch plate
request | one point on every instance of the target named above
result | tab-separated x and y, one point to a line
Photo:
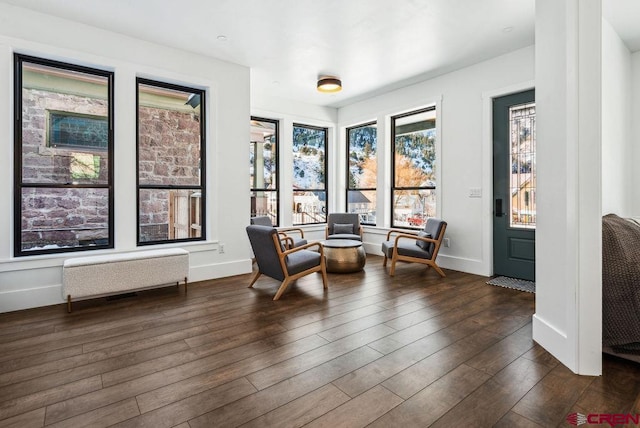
475	192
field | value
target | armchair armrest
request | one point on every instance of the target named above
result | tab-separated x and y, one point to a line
414	237
283	255
304	247
403	232
292	229
286	240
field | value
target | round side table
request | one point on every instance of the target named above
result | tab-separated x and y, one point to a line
344	255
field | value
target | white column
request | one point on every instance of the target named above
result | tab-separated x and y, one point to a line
568	319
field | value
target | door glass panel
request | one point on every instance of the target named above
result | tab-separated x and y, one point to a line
522	131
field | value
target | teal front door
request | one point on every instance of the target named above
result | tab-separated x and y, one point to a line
514	185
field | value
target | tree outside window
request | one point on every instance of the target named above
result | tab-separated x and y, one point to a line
413	191
362	142
309	174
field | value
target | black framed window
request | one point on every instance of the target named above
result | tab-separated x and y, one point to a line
263	167
63	157
362	146
413	192
309	174
170	163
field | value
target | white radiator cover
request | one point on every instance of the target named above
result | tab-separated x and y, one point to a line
96	276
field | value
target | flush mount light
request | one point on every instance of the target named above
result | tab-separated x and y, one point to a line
329	84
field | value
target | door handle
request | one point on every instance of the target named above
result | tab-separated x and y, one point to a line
498	209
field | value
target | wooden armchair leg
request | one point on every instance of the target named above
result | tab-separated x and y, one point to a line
394	259
255	278
440	271
323	271
384	262
282	288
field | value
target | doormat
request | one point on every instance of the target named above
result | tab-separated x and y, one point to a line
516	284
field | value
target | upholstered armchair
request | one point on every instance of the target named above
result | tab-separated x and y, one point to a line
343	226
282	264
421	247
292	236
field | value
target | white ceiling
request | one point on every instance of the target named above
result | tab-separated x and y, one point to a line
624	17
372	45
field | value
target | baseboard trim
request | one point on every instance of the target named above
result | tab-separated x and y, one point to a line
27	298
554	341
17	300
472	266
219	270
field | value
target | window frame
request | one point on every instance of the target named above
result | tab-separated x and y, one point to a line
276	122
203	164
348	156
49	130
393	187
19	185
326	174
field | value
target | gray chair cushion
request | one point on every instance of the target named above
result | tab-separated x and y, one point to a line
342	219
261	220
345	236
298	242
346	228
423	244
261	238
434	227
302	260
406	247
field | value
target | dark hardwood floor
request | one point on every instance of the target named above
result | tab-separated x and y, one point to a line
414	350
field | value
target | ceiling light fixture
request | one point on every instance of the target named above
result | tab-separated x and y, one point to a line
329	84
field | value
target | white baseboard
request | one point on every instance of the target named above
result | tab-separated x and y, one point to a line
554	341
26	298
473	266
219	270
16	300
476	267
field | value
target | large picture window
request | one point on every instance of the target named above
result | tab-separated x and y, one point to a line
63	157
171	166
309	174
362	143
413	192
263	167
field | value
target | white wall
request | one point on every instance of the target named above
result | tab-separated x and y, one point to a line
36	280
617	184
568	318
464	156
635	132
